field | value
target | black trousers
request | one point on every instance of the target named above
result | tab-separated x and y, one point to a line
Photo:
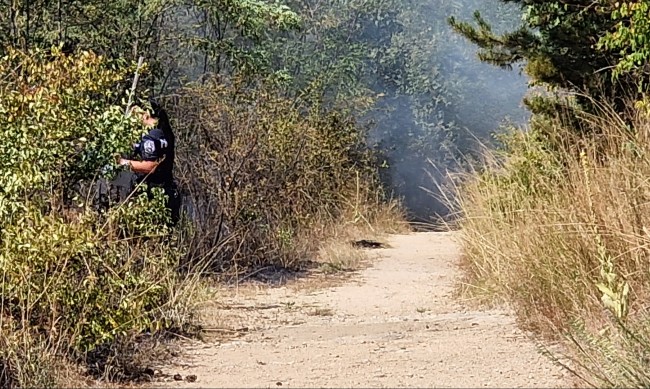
173	202
118	190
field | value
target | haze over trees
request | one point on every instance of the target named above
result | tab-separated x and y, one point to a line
397	66
294	118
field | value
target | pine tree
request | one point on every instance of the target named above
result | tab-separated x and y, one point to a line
558	46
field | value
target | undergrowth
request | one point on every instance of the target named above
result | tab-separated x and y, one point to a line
557	226
266	182
271	178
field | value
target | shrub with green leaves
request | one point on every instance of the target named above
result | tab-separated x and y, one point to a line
60	123
74	280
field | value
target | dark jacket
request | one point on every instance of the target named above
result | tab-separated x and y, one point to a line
157	146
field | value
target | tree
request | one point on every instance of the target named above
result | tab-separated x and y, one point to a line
179	39
559	46
399	67
631	37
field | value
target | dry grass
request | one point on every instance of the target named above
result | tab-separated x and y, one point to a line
40	342
337	256
563	236
371	221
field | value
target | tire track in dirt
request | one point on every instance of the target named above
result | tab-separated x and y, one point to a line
394	325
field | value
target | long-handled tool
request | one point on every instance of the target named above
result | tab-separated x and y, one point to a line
134	85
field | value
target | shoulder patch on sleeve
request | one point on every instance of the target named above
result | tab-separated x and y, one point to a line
149	146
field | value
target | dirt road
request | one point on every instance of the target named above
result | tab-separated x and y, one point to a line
393	325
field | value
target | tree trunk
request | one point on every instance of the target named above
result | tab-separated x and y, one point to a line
27	16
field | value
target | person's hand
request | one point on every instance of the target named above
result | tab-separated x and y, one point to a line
124	162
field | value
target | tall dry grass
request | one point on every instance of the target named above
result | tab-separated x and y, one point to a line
558	227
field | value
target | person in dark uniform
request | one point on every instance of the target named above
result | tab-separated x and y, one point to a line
154	156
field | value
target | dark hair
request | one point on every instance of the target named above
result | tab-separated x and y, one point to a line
156	109
158	112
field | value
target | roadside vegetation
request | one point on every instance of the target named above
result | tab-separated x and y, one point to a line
555	222
303	126
285	116
84	286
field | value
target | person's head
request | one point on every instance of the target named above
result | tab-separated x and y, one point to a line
158	113
156	110
154	116
148	117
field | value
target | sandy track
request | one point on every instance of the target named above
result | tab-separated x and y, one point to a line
393	325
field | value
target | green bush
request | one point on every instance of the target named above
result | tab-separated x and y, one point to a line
60	124
80	283
75	281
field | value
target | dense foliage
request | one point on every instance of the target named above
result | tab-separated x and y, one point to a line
394	65
596	48
73	279
402	71
289	116
189	37
263	171
60	125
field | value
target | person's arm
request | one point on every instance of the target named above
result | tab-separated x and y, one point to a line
142	167
150	156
